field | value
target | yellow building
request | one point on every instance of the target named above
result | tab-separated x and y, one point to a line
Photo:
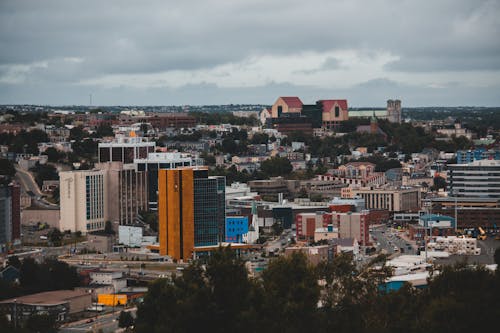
111	299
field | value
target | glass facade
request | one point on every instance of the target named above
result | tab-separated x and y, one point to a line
209	211
94	201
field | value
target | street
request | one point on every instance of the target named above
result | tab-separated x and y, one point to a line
107	323
391	240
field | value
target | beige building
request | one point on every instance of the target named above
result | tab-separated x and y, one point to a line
83	197
113	192
334	111
286	105
352	225
391	199
394	111
128	191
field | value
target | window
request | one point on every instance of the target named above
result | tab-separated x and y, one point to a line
337	111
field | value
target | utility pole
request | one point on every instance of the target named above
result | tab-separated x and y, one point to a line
456	216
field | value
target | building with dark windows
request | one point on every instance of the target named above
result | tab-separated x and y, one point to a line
125	149
479	179
289	114
170	120
156	161
191	211
10	216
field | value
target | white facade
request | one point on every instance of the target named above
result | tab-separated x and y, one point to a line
455	245
477	179
168	160
83	197
109	278
130	236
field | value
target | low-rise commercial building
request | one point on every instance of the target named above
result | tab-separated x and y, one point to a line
392	199
59	304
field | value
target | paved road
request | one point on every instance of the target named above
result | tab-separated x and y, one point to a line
389	239
106	323
30	186
28	182
280	242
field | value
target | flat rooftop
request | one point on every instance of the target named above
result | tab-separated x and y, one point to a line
47	297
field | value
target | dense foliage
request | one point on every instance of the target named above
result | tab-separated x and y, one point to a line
44	172
49	275
219	297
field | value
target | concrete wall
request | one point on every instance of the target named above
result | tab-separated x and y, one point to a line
33	216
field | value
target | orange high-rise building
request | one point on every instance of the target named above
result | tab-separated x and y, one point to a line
191	211
176	212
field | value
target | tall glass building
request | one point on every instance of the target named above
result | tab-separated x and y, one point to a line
191	210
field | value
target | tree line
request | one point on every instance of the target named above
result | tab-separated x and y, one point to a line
35	277
220	297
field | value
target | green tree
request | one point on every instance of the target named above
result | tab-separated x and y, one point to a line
44	172
276	166
55	237
104	130
78	133
125	319
439	183
85	149
291	295
260	138
213	299
53	155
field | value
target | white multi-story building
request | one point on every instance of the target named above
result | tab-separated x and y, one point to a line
83	197
479	179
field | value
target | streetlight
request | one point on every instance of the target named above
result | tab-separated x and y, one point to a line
15	313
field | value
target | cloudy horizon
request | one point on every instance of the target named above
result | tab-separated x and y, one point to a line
439	53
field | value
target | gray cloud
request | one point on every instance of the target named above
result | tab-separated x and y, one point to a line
63	43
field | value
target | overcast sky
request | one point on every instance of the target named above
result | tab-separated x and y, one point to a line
427	53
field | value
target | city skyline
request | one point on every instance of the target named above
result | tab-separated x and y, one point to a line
213	52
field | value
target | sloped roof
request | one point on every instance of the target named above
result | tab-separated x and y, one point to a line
292	101
367	129
329	103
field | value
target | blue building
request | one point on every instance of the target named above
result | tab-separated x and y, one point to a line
436	221
236	227
469	156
